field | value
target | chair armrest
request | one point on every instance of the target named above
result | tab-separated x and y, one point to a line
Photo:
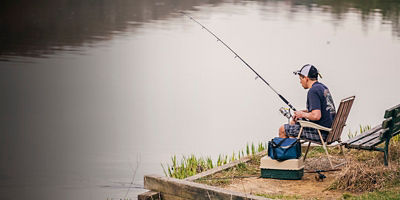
313	125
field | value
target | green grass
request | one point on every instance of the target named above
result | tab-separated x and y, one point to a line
315	151
318	151
386	194
191	165
224	177
279	196
396	138
361	130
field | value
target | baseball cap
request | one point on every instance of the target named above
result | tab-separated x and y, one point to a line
308	70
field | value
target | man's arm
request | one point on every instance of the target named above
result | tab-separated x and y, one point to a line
314	115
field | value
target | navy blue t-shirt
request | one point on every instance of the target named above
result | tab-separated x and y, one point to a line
319	98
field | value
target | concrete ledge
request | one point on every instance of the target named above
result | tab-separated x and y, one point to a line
182	189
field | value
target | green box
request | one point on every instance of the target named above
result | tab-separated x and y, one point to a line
282	174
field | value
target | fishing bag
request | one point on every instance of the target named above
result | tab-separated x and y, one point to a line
284	148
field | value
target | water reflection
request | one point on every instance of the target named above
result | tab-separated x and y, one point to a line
31	28
37	29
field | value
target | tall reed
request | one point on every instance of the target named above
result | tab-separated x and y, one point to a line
191	165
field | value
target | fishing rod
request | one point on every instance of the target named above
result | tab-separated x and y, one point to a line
319	171
237	56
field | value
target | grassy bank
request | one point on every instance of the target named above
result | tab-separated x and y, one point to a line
363	177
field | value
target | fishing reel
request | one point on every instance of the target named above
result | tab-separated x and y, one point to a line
286	112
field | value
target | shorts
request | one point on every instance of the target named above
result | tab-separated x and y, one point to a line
308	133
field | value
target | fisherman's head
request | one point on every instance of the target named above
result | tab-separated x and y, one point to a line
308	74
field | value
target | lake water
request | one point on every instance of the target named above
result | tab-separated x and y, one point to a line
92	91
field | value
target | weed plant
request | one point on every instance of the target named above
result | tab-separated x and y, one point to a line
365	171
361	130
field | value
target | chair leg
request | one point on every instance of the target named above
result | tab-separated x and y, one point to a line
325	148
305	155
301	130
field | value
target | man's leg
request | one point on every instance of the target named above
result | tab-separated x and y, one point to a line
289	130
282	133
312	134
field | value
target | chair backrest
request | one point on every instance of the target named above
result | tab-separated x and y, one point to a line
340	119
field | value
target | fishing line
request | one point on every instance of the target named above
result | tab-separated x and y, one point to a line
138	159
237	56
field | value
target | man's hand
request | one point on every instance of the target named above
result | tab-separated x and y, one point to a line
299	114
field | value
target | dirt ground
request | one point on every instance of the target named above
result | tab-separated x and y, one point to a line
307	188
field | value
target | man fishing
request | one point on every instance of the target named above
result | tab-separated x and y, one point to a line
320	107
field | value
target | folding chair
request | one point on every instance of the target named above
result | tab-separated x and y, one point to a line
335	132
